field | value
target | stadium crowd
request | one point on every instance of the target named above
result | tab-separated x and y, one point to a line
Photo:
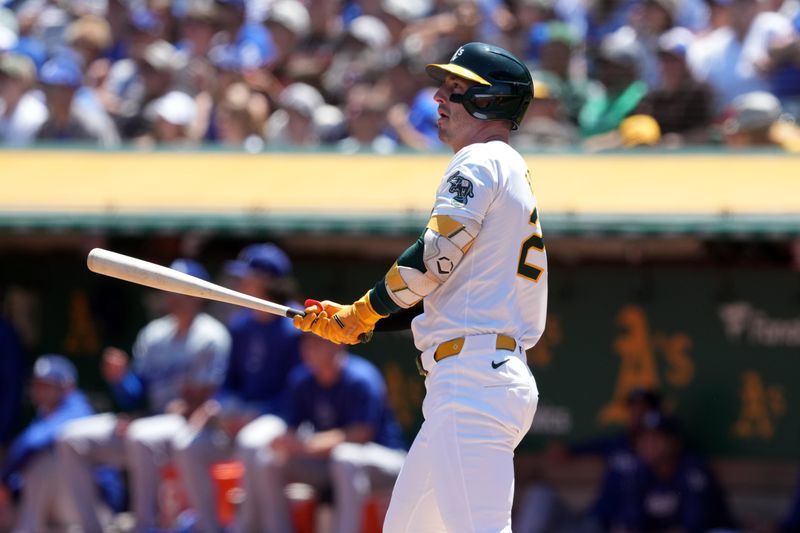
348	74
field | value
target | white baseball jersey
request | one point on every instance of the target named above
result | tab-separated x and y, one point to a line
500	286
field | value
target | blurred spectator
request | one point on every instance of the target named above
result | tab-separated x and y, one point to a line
366	116
783	66
341	434
152	77
551	47
12	377
292	124
68	120
178	362
681	106
171	118
604	17
212	82
752	121
288	23
121	91
400	81
667	488
9	29
22	112
358	57
31	467
529	14
546	124
198	27
618	91
434	38
252	38
733	59
90	37
398	14
240	123
648	21
329	124
245	413
416	127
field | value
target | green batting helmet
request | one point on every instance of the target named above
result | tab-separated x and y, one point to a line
503	89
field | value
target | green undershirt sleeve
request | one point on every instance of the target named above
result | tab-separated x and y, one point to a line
412	257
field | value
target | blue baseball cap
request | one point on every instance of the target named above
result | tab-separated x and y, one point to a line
144	20
260	258
55	369
226	57
193	268
33	48
62	71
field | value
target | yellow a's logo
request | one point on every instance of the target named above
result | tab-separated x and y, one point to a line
638	347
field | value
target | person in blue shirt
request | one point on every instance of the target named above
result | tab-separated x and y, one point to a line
246	412
667	488
340	433
30	466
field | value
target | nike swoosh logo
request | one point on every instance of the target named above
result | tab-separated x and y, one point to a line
501	363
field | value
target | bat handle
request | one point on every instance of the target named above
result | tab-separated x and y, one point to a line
291	312
363	338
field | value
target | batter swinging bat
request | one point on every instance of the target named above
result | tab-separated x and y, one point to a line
164	278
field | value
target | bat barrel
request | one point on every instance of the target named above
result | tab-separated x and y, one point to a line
160	277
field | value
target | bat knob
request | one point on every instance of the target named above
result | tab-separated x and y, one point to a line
314	303
365	337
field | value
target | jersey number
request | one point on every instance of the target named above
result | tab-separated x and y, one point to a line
534	241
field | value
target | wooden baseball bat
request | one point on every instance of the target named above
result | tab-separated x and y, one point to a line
160	277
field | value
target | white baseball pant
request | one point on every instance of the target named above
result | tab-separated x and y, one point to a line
459	474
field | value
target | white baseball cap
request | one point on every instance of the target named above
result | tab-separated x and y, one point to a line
302	98
176	108
292	15
753	111
371	31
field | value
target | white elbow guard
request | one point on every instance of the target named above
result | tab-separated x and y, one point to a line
447	239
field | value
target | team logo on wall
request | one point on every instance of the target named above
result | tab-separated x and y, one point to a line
461	187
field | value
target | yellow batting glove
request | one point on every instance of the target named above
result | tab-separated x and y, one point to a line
313	314
347	324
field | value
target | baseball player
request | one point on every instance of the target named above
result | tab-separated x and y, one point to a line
480	269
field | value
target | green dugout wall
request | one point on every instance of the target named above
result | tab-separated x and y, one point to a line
721	345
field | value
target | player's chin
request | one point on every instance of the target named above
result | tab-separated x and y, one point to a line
442	131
